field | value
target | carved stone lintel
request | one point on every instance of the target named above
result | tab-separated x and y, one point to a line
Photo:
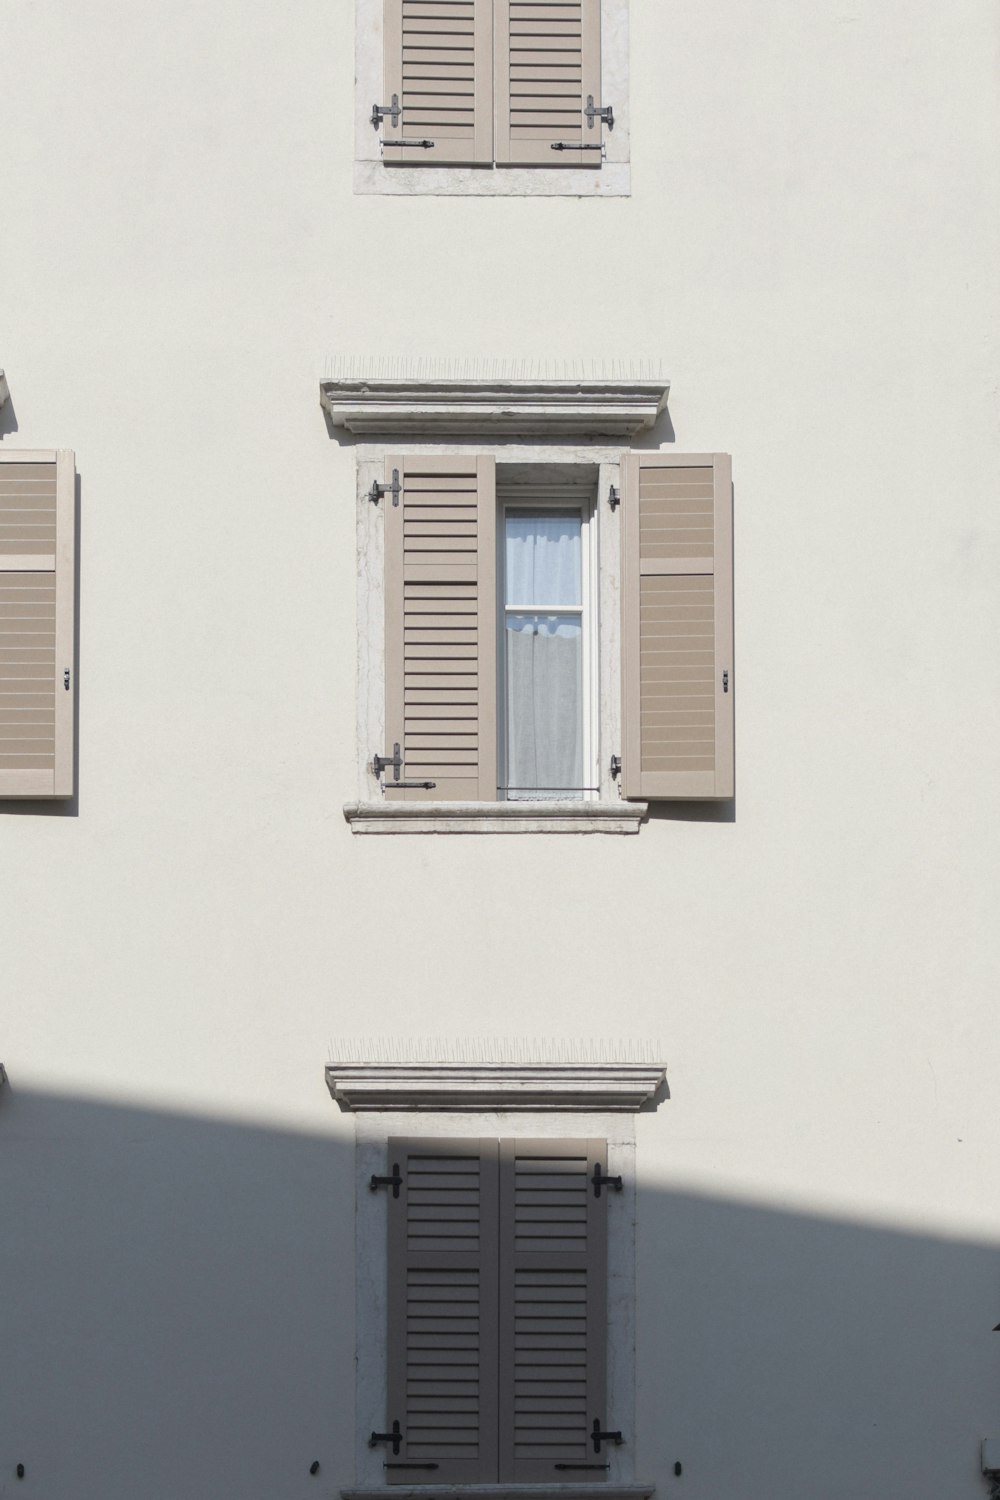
592	1086
560	409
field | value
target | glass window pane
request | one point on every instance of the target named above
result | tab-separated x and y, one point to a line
543	558
544	705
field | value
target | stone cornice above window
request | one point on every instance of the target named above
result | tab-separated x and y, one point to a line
487	400
595	1084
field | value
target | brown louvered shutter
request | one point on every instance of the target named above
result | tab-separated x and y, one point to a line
553	1310
439	66
442	1376
677	625
547	59
37	623
440	627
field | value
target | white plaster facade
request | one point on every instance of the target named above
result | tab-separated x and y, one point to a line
809	248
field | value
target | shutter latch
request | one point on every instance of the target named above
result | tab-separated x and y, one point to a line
379	112
378	490
592	113
725	682
600	1180
66	679
395	1181
395	1437
616	766
614	497
597	1437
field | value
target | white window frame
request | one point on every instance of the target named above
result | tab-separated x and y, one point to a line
611	180
589	612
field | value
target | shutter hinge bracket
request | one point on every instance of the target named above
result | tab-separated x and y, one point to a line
600	1180
725	682
576	146
592	113
598	1437
382	763
66	679
395	1181
378	490
422	146
614	497
395	1437
616	767
380	111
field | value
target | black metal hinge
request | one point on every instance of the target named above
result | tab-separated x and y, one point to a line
386	111
597	1437
422	146
592	113
395	1181
725	682
575	146
382	763
378	490
616	766
601	1180
614	497
395	1437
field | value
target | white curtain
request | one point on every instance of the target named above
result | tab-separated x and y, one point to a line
544	657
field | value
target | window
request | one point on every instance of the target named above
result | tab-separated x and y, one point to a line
492	96
540	639
37	623
497	1292
547	631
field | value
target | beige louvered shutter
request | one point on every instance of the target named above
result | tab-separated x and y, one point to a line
439	68
547	59
37	623
677	625
442	1345
553	1310
440	627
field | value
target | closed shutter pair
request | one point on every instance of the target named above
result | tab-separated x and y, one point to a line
478	81
497	1311
37	623
677	633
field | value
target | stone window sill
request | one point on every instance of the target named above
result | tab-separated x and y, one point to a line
591	1491
495	817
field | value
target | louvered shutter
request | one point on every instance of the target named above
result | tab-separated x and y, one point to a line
37	623
439	65
547	59
440	626
677	625
442	1377
553	1310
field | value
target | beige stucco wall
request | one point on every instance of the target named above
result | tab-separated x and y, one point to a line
810	249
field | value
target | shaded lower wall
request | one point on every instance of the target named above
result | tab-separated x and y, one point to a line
178	1322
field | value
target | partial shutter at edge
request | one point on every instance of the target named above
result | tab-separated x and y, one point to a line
37	622
677	626
547	62
438	62
440	627
442	1303
553	1310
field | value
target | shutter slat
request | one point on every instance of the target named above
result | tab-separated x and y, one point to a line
441	632
677	626
37	623
438	63
553	1275
443	1310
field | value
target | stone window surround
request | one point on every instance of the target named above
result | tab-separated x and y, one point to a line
370	813
611	180
373	1128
